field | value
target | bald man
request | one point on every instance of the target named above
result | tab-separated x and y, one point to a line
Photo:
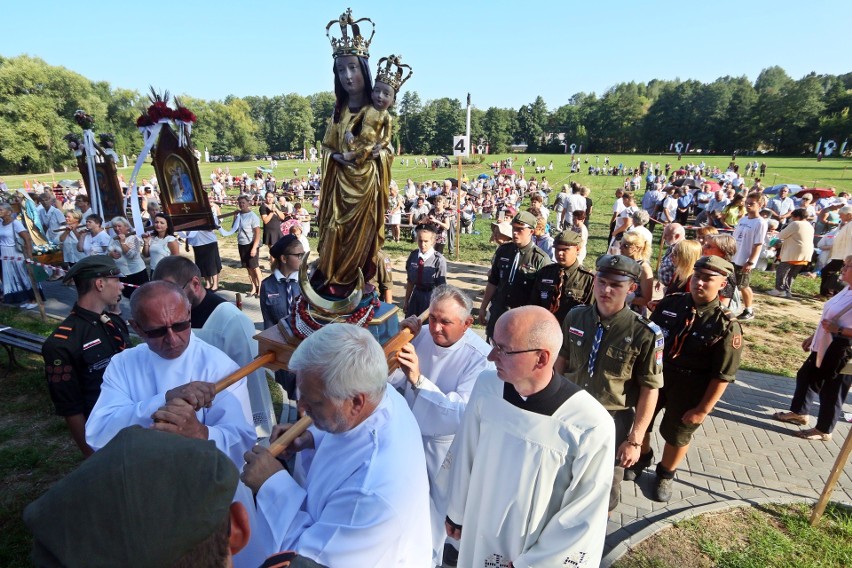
530	469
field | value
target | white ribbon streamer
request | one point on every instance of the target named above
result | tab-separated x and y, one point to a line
150	134
93	191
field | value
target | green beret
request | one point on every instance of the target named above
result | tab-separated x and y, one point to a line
145	499
525	218
618	267
715	264
568	238
91	267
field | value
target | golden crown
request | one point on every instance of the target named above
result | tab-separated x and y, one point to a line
346	44
392	72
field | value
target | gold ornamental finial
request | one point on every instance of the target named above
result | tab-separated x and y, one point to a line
355	44
392	73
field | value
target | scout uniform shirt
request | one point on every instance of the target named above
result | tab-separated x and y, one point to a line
629	355
513	271
76	355
576	288
702	343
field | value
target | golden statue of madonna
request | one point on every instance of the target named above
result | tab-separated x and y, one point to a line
356	163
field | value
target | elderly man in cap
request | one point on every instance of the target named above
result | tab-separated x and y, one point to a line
146	499
703	345
168	382
528	470
561	286
78	351
513	272
616	355
358	495
437	373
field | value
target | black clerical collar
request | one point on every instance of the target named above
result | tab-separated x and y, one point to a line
546	401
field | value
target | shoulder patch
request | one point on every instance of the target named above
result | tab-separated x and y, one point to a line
651	325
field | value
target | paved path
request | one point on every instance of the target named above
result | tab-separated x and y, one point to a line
741	454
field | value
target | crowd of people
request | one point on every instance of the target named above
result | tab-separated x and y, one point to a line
580	357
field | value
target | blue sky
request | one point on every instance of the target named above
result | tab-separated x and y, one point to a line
503	53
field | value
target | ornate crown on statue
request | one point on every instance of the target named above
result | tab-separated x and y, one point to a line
346	44
392	72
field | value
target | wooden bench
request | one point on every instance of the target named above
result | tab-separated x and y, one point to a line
11	339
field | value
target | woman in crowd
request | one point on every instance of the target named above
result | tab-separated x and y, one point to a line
733	212
425	269
542	239
684	255
822	374
797	250
705	231
161	242
395	203
623	222
579	225
95	240
440	217
126	249
16	281
271	216
70	236
635	246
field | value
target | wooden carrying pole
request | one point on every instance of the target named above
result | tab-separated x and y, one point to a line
280	444
397	341
839	464
259	362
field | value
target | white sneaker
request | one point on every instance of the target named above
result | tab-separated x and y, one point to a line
29	306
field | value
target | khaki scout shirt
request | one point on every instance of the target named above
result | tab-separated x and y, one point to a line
630	355
576	287
713	347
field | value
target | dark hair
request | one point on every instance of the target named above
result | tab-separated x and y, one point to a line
170	230
799	214
96	218
342	97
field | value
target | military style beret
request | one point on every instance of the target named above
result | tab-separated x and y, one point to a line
91	267
145	499
281	245
618	267
525	218
715	264
568	238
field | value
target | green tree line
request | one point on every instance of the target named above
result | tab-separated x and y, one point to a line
775	113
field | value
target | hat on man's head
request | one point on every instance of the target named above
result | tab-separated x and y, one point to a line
91	267
715	264
525	218
281	245
504	228
618	267
145	499
568	238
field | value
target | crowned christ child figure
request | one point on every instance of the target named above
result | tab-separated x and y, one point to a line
373	124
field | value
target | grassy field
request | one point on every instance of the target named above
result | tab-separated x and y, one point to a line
772	536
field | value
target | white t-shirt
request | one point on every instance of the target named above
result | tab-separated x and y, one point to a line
248	222
749	232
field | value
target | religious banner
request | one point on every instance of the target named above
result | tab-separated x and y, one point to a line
182	194
96	163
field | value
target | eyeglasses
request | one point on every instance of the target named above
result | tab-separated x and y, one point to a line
502	351
299	254
161	331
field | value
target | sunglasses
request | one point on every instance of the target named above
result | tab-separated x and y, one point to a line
161	331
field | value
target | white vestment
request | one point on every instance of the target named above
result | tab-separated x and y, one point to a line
135	385
528	488
361	498
233	332
449	374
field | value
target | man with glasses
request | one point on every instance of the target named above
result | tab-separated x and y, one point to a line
617	356
221	324
703	345
749	234
168	383
513	272
80	348
529	469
